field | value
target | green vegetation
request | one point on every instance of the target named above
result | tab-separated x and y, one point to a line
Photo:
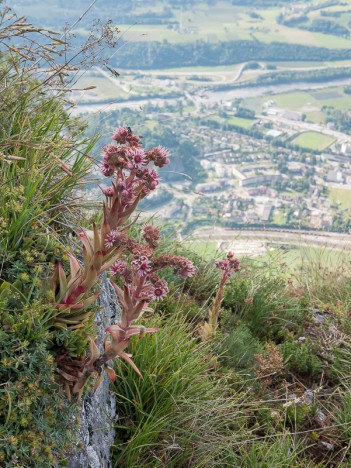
340	196
204	249
241	122
316	105
186	154
159	55
40	172
44	160
191	21
313	141
271	388
340	119
296	258
163	418
267	361
281	77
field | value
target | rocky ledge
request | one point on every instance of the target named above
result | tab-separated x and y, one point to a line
98	412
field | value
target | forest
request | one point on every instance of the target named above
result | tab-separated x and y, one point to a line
158	55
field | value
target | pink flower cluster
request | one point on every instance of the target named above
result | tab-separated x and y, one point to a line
124	135
141	274
133	170
155	289
181	265
129	155
159	156
151	235
229	265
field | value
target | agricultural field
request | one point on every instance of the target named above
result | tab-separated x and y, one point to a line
213	22
226	22
105	88
313	141
309	103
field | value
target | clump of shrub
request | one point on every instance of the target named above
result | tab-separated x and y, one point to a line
175	302
297	415
301	357
343	415
240	348
263	301
282	452
36	420
269	364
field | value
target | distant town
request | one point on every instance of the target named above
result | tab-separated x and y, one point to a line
263	162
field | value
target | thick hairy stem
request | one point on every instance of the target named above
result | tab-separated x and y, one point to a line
139	288
216	309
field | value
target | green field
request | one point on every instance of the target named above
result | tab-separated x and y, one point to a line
290	259
240	122
309	103
224	21
340	196
278	217
313	141
305	258
209	21
206	249
105	88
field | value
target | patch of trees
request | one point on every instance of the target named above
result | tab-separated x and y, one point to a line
327	27
156	201
197	78
149	17
322	25
185	155
151	55
310	76
332	14
253	131
255	15
341	119
292	21
245	113
252	66
340	224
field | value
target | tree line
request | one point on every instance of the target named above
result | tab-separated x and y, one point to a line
154	54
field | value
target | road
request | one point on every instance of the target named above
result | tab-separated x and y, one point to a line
314	238
212	96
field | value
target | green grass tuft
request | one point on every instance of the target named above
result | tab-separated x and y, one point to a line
181	413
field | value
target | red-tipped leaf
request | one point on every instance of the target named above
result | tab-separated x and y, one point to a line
126	357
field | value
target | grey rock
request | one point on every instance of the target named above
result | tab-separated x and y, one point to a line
320	418
327	446
98	413
318	318
309	397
